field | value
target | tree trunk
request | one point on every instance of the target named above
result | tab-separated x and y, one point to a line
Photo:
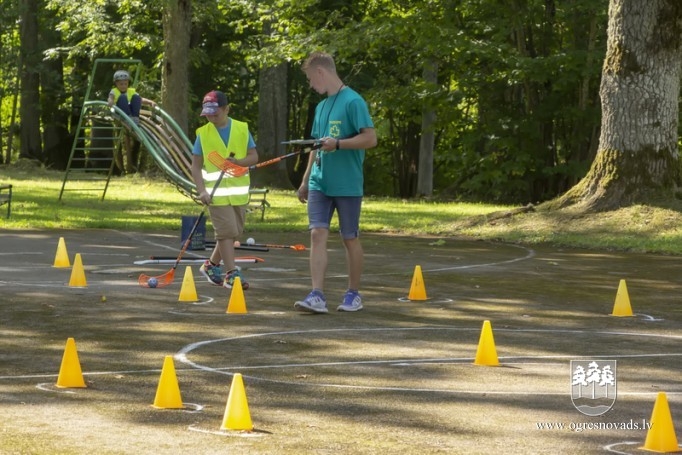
29	109
56	139
272	125
177	17
638	157
426	144
13	117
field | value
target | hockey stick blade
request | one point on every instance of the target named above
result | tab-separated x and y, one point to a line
226	165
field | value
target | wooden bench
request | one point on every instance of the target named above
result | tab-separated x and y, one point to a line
6	197
258	201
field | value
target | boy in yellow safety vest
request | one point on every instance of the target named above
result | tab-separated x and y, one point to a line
232	140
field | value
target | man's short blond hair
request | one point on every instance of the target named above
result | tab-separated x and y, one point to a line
320	60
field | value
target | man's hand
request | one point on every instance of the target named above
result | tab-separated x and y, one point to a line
302	193
328	144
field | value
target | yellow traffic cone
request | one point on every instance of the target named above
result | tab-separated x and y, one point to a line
417	289
77	273
622	305
168	392
188	291
237	415
61	259
661	435
237	304
70	374
486	353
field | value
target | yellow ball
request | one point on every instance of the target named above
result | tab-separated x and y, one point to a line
104	298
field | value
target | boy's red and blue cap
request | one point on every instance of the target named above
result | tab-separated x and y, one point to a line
213	100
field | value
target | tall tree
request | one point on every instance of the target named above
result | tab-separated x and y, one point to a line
177	20
29	110
638	152
272	123
55	115
425	170
10	72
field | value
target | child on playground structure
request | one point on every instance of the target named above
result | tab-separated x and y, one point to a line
129	101
232	140
125	97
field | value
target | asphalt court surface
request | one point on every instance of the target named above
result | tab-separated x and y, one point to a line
516	287
109	259
547	306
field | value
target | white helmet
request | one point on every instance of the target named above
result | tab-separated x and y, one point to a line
121	75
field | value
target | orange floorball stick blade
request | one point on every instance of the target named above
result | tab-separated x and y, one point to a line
225	165
161	280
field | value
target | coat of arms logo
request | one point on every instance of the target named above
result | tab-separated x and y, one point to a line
593	386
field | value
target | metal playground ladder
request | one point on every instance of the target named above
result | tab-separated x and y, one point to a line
91	162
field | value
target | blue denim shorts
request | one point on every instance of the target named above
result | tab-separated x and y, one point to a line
321	209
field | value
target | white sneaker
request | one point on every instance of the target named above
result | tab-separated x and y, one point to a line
351	302
313	303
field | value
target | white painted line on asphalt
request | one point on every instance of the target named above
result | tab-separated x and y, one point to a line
182	356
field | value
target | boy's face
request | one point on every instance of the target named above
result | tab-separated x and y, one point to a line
122	85
220	117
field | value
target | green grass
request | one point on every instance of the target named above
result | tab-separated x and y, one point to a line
148	204
138	203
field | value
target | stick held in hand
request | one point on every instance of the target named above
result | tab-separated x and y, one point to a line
235	170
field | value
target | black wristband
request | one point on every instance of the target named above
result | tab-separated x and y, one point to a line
337	143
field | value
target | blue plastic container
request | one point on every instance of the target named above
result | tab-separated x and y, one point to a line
198	241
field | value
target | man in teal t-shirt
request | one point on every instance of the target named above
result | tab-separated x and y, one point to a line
333	180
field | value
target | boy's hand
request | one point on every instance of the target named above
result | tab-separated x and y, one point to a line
205	197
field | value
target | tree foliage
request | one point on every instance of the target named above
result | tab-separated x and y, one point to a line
515	100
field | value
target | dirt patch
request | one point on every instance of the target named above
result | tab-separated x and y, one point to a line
397	377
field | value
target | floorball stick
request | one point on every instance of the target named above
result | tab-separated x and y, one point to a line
167	278
193	260
297	247
235	170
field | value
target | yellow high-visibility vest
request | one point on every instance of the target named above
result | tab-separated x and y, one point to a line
129	94
232	190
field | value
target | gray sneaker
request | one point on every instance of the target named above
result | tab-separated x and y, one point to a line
351	302
313	303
